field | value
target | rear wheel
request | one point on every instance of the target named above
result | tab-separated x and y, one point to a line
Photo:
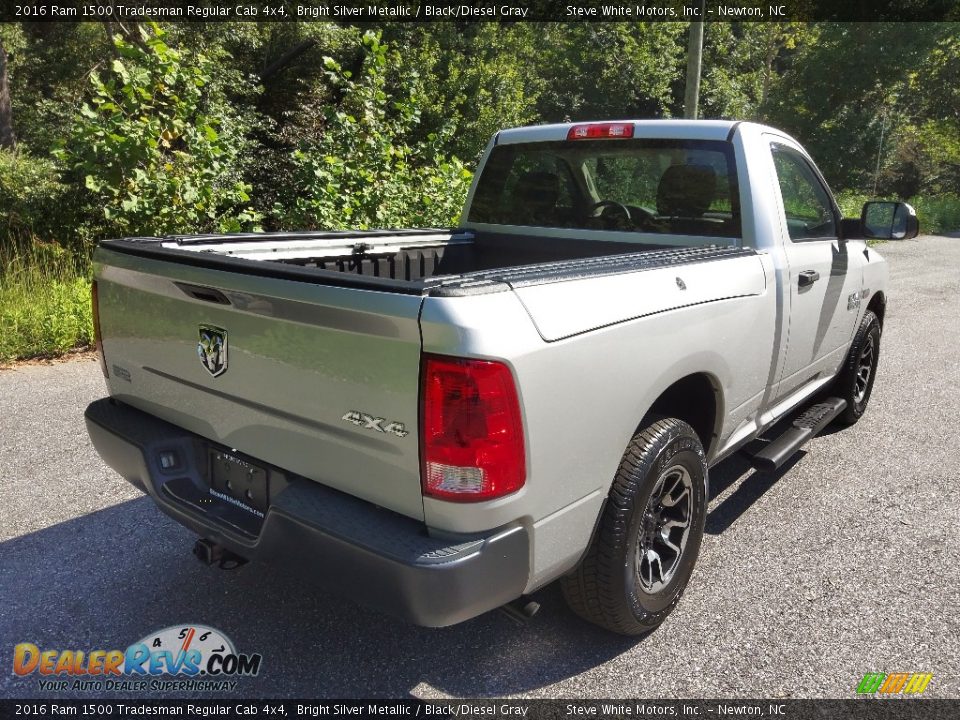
855	382
649	535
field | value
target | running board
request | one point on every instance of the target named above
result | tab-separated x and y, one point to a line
812	421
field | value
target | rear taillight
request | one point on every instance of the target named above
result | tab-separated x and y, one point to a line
472	432
597	131
97	339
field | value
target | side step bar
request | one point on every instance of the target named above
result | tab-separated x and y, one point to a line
804	428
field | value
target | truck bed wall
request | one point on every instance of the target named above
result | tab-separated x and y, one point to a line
485	252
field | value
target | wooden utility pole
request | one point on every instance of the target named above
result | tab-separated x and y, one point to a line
694	60
7	138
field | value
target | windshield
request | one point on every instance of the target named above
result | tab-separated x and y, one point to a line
672	187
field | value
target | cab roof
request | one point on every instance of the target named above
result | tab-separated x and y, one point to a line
653	129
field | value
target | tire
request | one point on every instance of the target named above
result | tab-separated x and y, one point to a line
855	382
616	586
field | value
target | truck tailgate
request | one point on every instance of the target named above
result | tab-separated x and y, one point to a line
318	380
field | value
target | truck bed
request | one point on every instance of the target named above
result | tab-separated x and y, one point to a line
440	261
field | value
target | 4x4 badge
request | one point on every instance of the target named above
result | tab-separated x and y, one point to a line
212	349
369	422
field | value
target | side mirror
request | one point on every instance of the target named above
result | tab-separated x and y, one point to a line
882	220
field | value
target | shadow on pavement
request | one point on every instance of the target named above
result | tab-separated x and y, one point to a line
107	579
754	485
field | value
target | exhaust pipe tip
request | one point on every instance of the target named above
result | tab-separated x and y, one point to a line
521	610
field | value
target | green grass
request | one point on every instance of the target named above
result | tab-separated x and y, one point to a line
44	302
938	214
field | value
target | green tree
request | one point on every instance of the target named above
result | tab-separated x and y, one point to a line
362	171
157	146
475	79
50	66
923	150
739	67
846	87
611	70
7	137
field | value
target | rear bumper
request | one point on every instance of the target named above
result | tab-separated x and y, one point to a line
372	555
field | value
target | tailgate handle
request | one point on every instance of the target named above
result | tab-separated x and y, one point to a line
206	294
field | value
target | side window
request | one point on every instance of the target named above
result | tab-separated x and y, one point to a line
805	200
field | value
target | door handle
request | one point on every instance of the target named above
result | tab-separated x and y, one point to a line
808	277
207	294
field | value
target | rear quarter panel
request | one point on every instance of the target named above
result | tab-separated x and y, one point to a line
584	395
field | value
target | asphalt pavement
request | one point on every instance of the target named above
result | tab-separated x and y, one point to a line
845	562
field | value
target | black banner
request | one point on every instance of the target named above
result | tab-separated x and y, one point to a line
361	11
858	709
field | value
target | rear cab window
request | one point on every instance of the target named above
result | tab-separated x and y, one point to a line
658	187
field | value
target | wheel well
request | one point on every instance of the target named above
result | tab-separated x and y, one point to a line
694	400
878	304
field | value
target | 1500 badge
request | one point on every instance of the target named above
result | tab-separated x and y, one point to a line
369	422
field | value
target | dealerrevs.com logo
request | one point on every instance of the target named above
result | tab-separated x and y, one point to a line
177	658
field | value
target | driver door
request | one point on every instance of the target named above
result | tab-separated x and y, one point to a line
821	272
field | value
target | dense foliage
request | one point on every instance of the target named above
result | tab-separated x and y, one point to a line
224	126
363	170
158	147
33	200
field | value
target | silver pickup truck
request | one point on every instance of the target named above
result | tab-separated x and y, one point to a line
438	422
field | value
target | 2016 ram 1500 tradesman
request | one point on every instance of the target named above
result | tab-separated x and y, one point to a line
437	422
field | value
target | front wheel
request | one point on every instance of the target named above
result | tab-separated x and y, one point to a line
855	382
649	535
